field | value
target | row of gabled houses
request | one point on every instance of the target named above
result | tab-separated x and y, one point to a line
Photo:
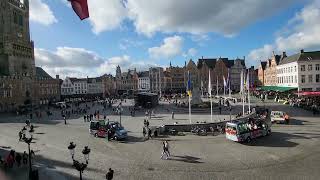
299	71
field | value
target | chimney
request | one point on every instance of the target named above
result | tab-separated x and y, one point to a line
301	51
284	54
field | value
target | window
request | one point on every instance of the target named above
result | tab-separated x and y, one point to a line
295	79
310	78
303	68
295	68
303	78
20	20
317	67
317	77
15	18
310	67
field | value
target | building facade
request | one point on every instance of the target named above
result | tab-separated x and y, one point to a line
144	81
270	72
300	70
18	82
261	69
126	82
156	79
175	79
47	88
108	85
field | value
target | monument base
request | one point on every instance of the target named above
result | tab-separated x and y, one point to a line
196	97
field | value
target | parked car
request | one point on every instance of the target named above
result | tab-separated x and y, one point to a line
279	117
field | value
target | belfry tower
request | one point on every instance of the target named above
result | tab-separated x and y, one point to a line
16	48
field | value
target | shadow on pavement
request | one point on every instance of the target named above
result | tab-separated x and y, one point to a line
297	122
133	139
187	159
277	139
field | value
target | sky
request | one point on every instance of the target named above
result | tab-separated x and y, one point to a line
143	33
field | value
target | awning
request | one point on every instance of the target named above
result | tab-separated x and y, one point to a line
277	88
309	93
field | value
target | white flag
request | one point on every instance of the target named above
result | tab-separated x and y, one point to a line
241	82
209	84
247	81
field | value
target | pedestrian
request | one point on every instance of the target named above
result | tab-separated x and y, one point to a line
84	118
144	131
65	120
172	115
149	133
104	117
147	123
18	159
163	151
109	175
220	110
20	135
10	159
144	122
166	144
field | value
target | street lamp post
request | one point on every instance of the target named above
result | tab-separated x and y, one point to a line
28	140
230	109
79	166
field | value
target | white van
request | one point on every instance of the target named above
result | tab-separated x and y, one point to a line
279	117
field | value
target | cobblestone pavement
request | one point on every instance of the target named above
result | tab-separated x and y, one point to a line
291	152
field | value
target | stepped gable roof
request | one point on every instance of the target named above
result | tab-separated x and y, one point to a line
303	56
277	58
97	79
40	73
167	74
227	62
263	64
210	62
143	74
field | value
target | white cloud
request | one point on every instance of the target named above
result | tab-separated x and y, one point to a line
190	16
301	32
106	15
305	31
197	17
261	54
41	13
171	46
190	53
79	62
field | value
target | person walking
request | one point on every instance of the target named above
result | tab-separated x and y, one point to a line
166	145
20	135
149	133
25	158
144	131
109	175
164	150
172	115
65	120
220	109
84	118
18	159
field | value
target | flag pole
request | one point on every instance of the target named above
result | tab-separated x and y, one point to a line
209	88
249	91
217	87
242	91
189	94
190	109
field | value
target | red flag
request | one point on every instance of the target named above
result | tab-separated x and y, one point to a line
80	7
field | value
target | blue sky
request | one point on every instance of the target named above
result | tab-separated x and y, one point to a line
143	33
